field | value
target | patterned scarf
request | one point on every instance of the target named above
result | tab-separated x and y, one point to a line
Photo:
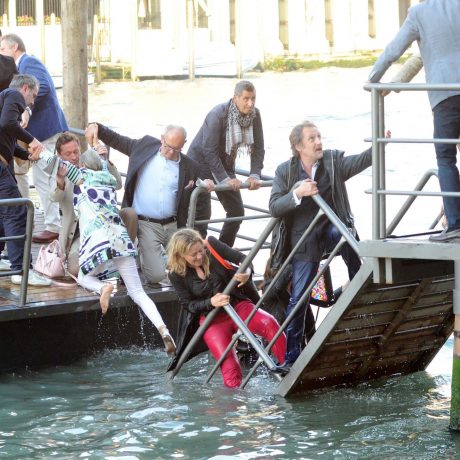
240	136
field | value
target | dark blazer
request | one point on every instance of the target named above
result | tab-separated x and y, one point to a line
12	104
7	70
140	151
208	147
195	296
47	116
434	24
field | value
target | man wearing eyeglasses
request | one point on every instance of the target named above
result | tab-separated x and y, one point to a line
159	182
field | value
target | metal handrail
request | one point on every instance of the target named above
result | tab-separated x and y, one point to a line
201	188
379	142
27	244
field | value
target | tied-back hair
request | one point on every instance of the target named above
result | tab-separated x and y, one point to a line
296	136
179	245
91	160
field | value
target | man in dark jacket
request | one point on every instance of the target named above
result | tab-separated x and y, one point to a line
7	70
230	129
158	186
13	100
324	173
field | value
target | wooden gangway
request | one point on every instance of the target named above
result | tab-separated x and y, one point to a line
377	329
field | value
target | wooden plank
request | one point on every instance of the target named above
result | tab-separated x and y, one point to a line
331	357
366	331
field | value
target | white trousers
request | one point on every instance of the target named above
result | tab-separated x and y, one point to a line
128	271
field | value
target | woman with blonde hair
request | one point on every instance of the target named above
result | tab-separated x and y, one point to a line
199	278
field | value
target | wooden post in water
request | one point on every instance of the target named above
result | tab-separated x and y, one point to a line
75	62
455	386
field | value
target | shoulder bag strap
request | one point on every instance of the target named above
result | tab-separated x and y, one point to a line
218	257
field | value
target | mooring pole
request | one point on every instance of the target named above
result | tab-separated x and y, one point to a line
455	386
74	23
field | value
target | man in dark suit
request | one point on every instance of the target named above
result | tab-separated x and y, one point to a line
46	124
13	100
158	186
7	70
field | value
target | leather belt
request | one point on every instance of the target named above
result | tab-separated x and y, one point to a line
166	221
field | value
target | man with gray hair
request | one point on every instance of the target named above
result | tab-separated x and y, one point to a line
231	129
316	172
158	186
22	92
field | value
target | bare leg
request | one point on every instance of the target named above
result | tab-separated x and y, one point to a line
106	292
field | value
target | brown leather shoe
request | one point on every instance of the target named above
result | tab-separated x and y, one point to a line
44	237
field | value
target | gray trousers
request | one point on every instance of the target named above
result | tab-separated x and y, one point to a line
153	239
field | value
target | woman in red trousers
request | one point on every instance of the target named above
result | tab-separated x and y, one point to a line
199	279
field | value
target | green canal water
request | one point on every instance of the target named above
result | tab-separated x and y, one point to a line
119	405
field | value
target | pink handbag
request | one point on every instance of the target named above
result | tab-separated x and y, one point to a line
50	260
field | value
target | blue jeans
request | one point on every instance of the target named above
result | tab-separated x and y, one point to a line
303	273
446	118
13	218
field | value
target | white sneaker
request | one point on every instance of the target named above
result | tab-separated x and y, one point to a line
34	279
4	265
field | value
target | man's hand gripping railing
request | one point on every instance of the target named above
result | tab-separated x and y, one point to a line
203	187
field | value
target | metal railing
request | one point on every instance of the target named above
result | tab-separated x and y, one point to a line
27	245
379	142
347	236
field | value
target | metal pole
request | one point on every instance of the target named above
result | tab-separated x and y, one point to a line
27	251
455	385
382	172
375	164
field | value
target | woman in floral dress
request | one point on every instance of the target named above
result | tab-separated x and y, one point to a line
105	247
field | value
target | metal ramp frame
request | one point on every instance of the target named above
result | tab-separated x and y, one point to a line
377	330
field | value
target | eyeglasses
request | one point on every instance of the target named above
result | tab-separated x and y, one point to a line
172	149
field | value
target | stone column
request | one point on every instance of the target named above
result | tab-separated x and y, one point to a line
12	13
315	23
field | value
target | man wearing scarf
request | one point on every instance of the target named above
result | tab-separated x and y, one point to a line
229	130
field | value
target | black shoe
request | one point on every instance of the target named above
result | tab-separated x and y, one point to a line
446	236
283	369
337	293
